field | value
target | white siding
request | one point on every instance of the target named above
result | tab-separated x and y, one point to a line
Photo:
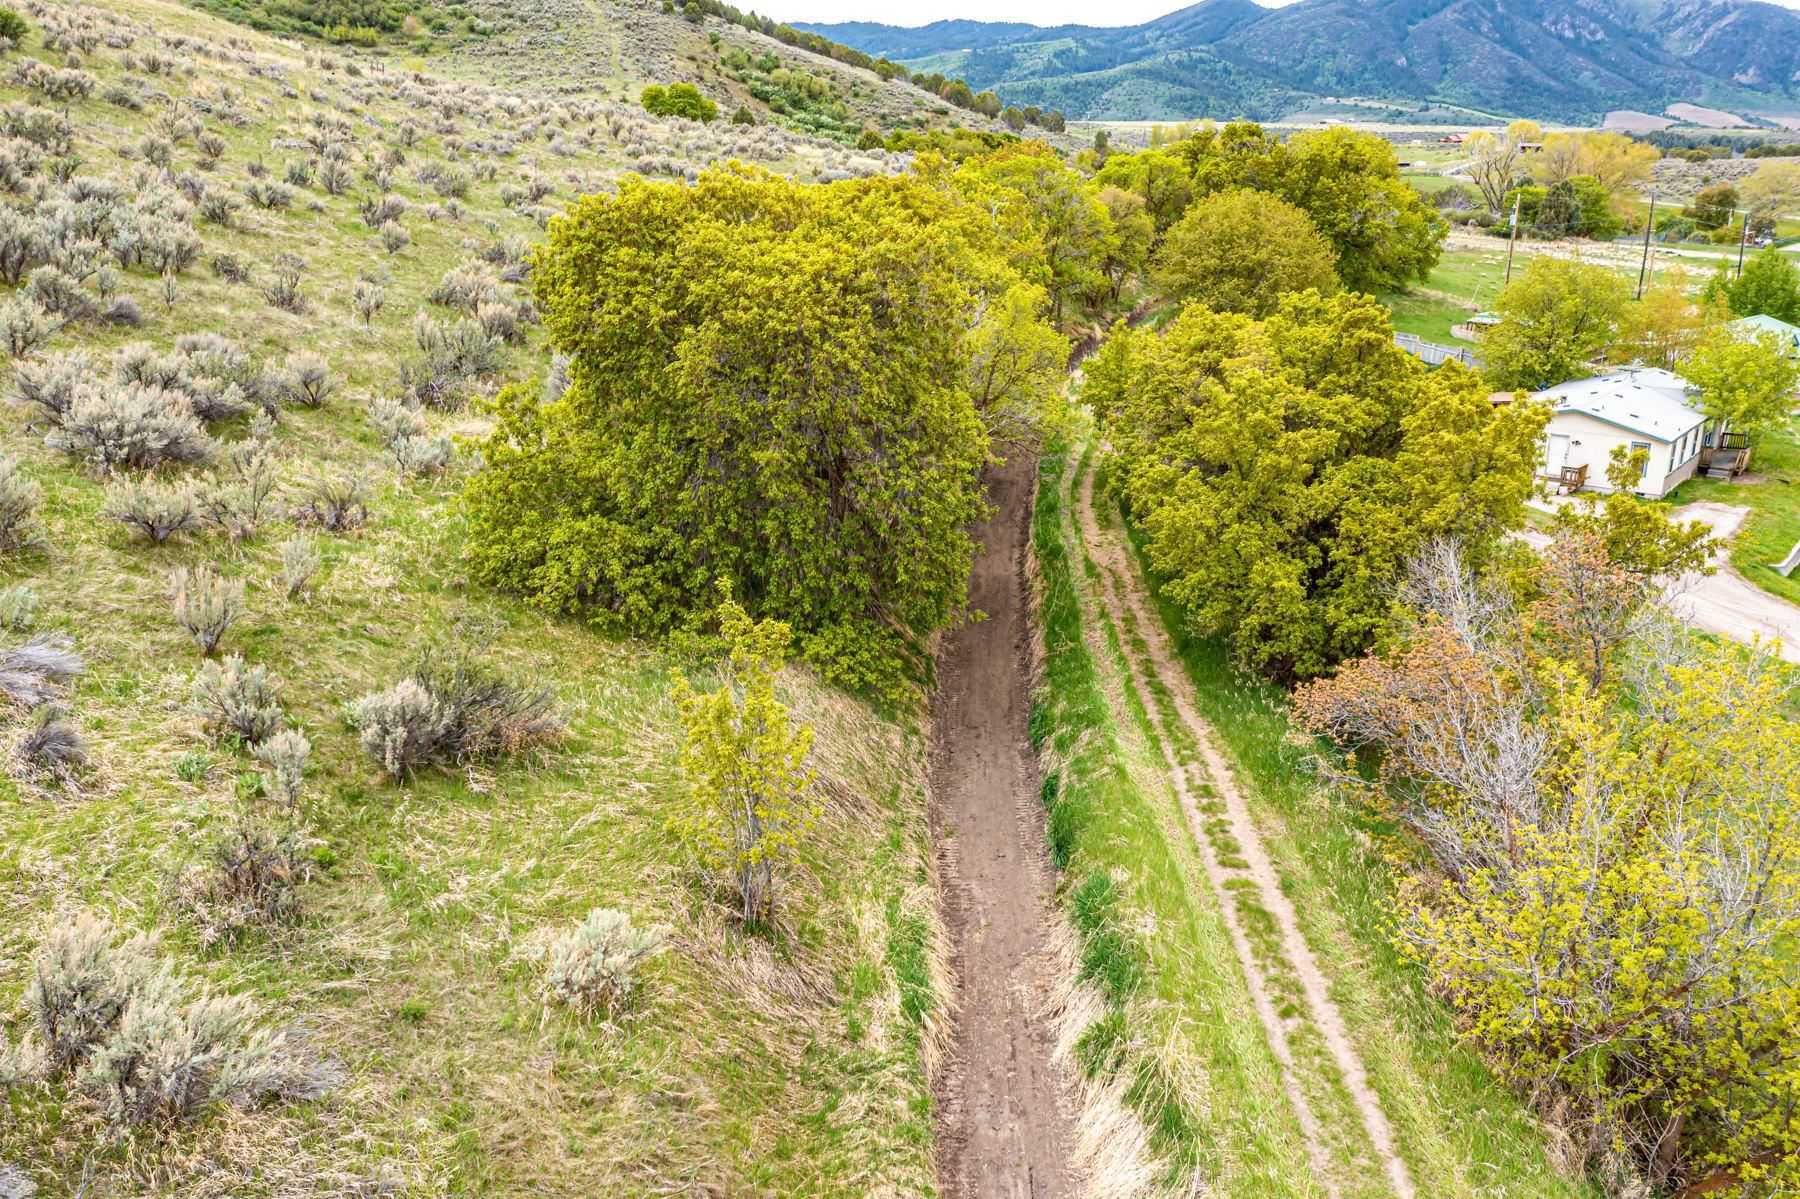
1591	443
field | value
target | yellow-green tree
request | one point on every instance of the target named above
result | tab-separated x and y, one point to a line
1666	325
1606	861
1555	319
1746	381
1242	251
770	383
1284	469
744	756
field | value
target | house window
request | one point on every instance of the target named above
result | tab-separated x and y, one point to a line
1644	446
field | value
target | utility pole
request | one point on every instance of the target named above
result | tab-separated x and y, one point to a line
1512	238
1644	266
1743	238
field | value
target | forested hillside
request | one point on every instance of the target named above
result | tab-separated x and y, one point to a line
1566	60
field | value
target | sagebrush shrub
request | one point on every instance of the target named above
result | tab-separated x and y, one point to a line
53	382
403	728
20	498
25	325
286	754
367	297
300	561
18	607
451	356
283	290
132	425
594	967
206	604
451	709
50	748
38	669
307	379
80	984
155	511
232	697
236	497
337	503
394	237
171	1058
250	876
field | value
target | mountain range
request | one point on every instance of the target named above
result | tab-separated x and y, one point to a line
1569	60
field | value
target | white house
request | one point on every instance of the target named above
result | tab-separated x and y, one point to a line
1636	407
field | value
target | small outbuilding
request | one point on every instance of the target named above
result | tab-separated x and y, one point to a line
1635	407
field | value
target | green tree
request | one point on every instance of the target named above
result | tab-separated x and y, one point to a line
1159	177
1385	234
1283	470
1241	251
1052	214
1712	207
1554	319
678	100
1017	366
1597	218
1129	239
1636	534
750	790
749	401
1747	382
1769	286
1603	813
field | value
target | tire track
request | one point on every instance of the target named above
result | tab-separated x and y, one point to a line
1251	867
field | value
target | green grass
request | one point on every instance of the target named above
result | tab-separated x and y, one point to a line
1428	316
788	1064
1178	1029
1460	1130
1774	524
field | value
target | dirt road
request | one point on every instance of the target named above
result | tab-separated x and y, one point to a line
1152	668
1724	603
1004	1111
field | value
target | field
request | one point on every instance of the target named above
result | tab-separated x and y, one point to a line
785	1064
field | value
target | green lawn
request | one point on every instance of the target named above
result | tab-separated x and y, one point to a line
1774	526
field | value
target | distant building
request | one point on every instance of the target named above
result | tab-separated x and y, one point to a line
1453	139
1637	407
1755	326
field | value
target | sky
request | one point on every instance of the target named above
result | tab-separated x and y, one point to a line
1036	12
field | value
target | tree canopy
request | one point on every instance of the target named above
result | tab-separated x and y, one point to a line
1284	469
769	385
1554	320
1747	382
1381	230
1240	251
1602	813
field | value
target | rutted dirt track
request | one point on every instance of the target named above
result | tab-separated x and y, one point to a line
1124	591
1005	1116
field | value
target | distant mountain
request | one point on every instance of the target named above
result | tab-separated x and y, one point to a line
1568	60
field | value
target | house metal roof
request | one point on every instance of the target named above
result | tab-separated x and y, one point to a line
1789	335
1653	402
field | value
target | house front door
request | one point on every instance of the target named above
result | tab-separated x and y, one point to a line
1558	457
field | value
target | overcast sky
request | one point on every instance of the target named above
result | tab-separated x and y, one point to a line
1037	12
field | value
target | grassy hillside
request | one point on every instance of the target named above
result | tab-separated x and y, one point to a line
785	1066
